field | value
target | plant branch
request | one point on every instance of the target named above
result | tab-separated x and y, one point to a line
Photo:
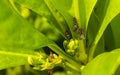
71	60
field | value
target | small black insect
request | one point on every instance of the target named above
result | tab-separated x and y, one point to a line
82	32
77	29
75	20
75	26
68	35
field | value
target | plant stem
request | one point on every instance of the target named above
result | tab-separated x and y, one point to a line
71	60
71	66
82	53
91	52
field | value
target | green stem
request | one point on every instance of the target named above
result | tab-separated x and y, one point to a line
70	59
82	53
71	66
91	52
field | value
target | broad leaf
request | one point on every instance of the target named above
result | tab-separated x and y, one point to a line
103	64
17	37
16	32
13	58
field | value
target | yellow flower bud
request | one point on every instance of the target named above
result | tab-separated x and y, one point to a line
30	60
71	44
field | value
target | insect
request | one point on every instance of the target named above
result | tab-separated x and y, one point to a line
68	35
77	29
75	26
82	32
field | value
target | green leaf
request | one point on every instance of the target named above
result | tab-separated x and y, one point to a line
115	25
112	10
81	9
13	58
118	71
18	35
109	38
16	32
17	38
101	8
85	9
45	8
65	8
103	64
92	32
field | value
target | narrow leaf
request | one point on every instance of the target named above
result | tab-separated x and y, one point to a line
112	10
92	32
85	10
115	25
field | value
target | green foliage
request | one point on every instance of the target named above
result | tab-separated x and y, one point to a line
103	64
29	29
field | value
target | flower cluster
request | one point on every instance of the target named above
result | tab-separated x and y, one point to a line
44	62
71	46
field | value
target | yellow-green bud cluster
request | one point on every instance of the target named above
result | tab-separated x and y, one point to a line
71	46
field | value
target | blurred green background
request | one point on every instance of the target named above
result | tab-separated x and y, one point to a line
43	25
